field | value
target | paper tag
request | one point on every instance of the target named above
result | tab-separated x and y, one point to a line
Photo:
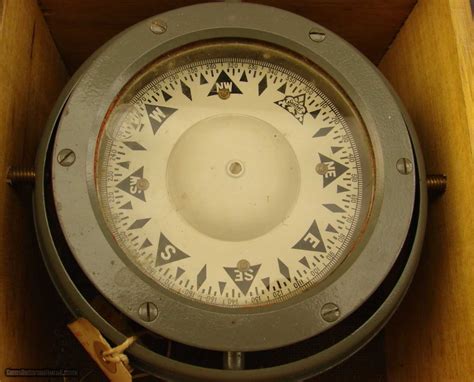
91	339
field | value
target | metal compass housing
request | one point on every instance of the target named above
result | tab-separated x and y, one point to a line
244	177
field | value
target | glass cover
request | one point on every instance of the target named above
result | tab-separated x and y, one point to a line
234	173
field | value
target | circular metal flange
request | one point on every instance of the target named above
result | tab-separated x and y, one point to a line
220	328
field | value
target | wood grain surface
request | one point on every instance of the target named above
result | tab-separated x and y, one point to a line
80	27
431	338
33	319
31	76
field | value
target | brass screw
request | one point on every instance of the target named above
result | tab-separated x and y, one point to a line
148	311
17	175
143	184
158	27
243	265
436	184
322	168
316	35
66	157
330	312
223	93
404	166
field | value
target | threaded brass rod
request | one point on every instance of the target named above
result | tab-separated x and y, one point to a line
436	183
16	175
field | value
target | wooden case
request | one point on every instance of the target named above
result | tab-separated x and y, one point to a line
424	48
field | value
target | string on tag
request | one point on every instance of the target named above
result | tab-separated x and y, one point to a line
117	355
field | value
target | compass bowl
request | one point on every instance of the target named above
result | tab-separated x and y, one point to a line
90	258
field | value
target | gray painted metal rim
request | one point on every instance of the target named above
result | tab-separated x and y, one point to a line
109	72
165	367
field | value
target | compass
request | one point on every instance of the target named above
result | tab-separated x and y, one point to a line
205	174
239	185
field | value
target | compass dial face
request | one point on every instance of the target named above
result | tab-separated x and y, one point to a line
239	180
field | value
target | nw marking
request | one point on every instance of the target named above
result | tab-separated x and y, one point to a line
224	82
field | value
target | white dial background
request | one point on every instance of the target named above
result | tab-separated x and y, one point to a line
286	218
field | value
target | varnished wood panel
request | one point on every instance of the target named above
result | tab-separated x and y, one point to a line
80	27
431	338
31	76
367	365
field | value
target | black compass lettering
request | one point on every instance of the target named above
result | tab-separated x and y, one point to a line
158	115
131	184
243	278
146	208
311	240
333	169
168	252
224	83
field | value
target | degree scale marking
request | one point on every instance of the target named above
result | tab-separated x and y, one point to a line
223	284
